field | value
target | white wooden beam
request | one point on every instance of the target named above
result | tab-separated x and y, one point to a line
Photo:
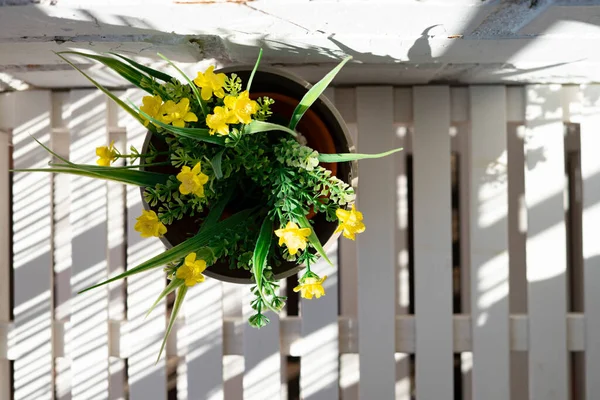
546	244
488	239
433	240
376	258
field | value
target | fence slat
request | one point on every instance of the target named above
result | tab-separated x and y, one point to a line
432	238
489	243
262	356
319	366
590	174
5	150
203	337
147	378
376	286
319	362
519	376
546	243
88	345
30	342
402	119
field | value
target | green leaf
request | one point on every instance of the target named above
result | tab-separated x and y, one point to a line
130	177
331	158
314	93
313	239
261	126
192	85
129	73
259	258
108	93
150	71
183	249
176	307
201	134
174	284
217	210
216	164
133	166
254	70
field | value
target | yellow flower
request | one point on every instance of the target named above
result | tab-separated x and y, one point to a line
218	121
311	286
293	237
148	225
210	83
350	222
177	114
191	270
192	180
151	107
241	107
106	154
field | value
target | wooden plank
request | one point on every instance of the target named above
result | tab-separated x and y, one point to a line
262	356
546	243
345	102
89	311
319	362
488	239
30	342
432	238
402	118
60	140
202	335
590	174
146	377
117	249
517	226
233	364
5	311
376	289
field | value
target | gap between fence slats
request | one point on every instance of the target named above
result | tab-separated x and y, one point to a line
5	311
546	243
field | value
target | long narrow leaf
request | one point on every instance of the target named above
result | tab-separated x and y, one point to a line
259	258
107	92
261	126
314	93
98	167
121	176
216	164
313	239
176	307
341	157
254	70
150	71
192	85
183	249
174	284
217	210
201	134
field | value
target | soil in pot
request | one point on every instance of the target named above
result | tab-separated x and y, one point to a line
320	135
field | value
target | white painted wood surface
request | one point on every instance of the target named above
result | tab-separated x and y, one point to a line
29	341
376	261
319	362
432	238
488	239
590	174
89	311
147	377
546	243
5	308
132	341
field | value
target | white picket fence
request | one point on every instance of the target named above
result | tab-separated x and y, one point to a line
519	280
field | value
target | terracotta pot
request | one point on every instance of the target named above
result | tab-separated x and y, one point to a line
324	130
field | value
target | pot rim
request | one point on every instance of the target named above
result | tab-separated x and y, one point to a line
353	173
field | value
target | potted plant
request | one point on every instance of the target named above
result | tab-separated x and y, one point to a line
239	178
